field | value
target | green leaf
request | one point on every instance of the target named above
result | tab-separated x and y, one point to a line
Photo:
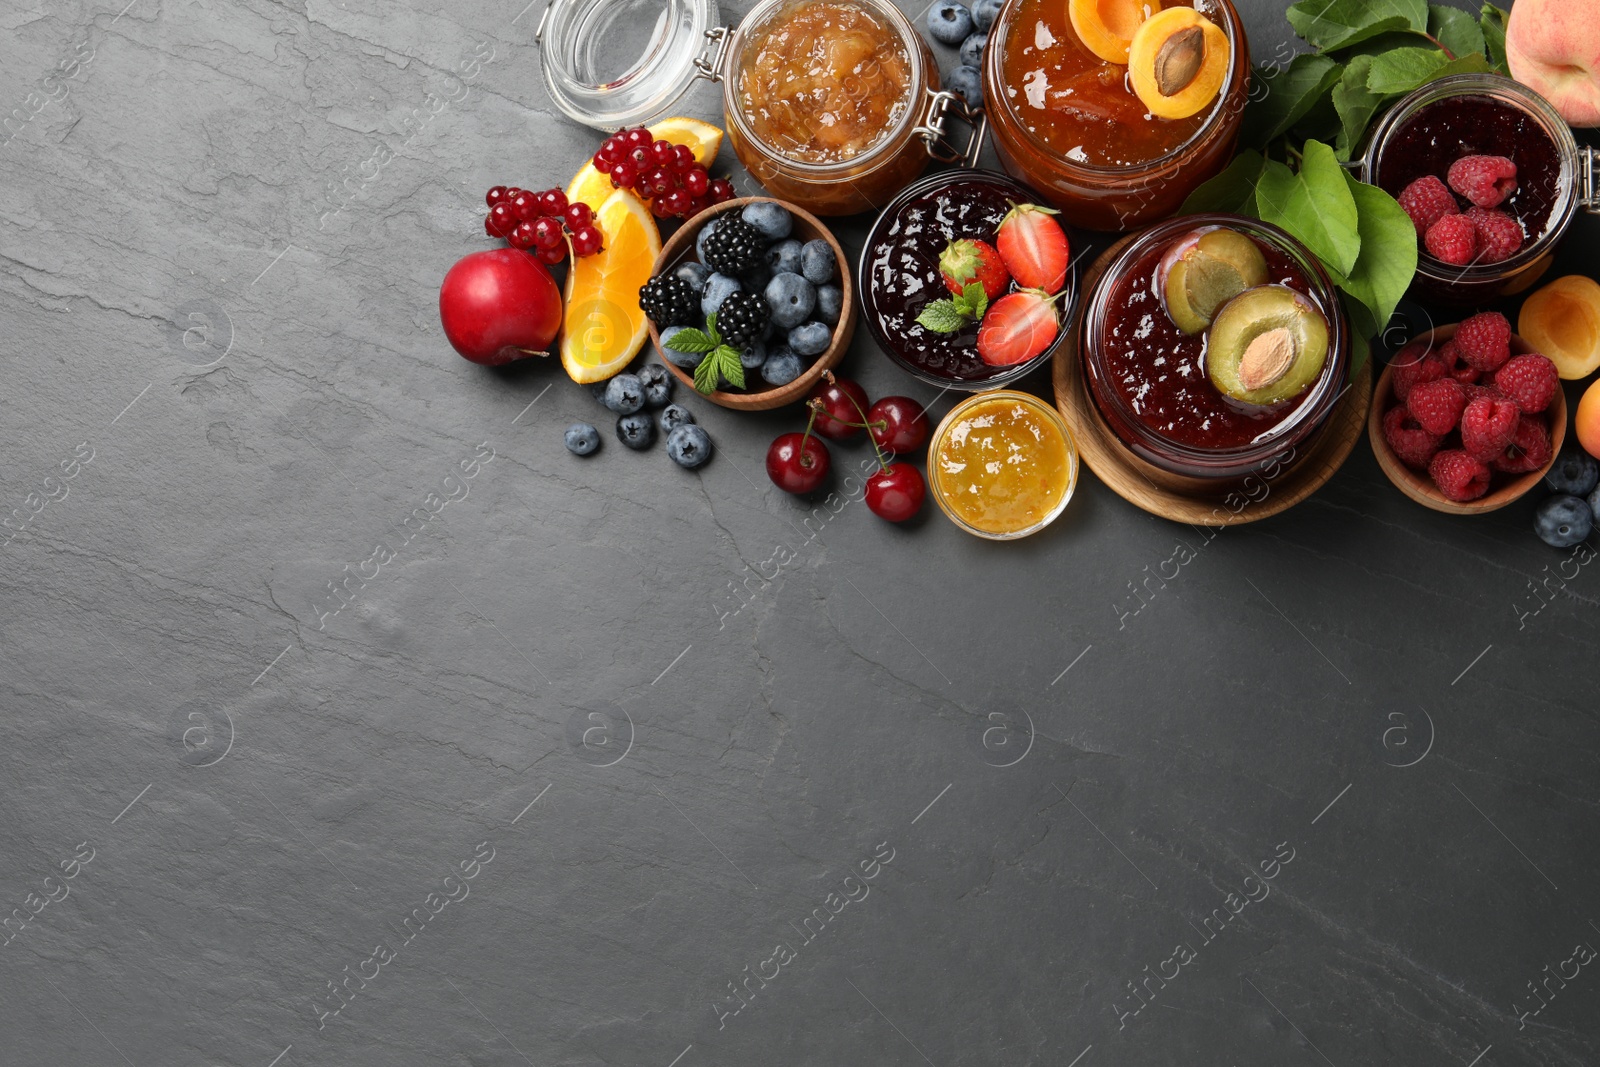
1401	70
1232	190
731	368
1356	104
691	340
1383	271
1314	205
705	374
943	316
1360	352
973	301
1493	23
1471	63
711	329
1455	29
1290	93
1332	24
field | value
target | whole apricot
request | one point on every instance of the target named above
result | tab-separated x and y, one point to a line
1586	424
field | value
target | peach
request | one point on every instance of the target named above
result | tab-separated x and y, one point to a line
1586	424
1562	320
1553	49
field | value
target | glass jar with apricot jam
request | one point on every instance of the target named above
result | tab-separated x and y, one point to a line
1116	110
1002	464
833	105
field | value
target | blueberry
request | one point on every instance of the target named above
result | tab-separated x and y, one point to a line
782	366
1563	520
693	273
770	220
658	383
784	257
984	12
810	339
752	355
582	439
689	446
637	431
1594	501
672	416
949	22
700	238
1574	472
791	299
817	262
972	49
598	390
968	83
625	394
686	360
756	278
718	288
830	304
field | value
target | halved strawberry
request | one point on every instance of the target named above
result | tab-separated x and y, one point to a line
1018	327
966	261
1033	247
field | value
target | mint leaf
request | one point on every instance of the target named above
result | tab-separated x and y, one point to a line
943	316
973	301
1290	94
1401	70
1455	29
1332	24
1493	23
1355	104
690	340
731	369
1315	205
706	374
711	329
1388	257
1233	190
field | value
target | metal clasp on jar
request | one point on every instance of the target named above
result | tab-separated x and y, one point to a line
1589	180
933	132
708	64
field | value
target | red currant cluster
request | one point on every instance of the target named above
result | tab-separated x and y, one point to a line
662	173
541	223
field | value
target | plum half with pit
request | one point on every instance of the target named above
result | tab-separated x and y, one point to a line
1204	269
1266	345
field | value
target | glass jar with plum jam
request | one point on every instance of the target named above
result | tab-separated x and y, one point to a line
1486	114
1070	88
1214	346
833	105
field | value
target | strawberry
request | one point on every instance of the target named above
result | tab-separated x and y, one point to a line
1018	327
966	261
1034	247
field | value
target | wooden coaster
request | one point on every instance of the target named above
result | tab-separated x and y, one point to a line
1259	499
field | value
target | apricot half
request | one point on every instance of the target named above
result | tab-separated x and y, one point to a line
1177	61
1562	320
1106	27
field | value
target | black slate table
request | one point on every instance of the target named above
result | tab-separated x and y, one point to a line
607	763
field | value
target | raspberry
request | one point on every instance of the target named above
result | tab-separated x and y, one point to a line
1529	449
1459	476
1473	392
1487	427
1484	340
1427	201
1530	381
1452	240
1499	235
1464	373
1437	405
1414	365
1414	445
1485	180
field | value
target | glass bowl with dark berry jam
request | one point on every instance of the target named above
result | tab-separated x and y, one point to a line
1485	115
1214	346
899	276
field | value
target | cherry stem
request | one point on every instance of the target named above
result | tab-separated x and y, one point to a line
866	424
815	406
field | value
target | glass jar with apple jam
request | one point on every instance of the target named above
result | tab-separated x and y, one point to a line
1116	110
833	105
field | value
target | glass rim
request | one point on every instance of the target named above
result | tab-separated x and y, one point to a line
1051	415
657	79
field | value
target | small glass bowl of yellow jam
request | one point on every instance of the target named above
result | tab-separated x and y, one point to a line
1002	465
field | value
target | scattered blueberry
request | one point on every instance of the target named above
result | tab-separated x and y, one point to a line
984	12
1574	472
625	394
972	49
672	416
817	262
968	83
782	366
658	383
700	238
770	220
598	389
784	257
718	288
693	273
752	355
1563	520
637	431
791	299
949	22
1594	502
582	439
830	304
686	360
810	339
689	446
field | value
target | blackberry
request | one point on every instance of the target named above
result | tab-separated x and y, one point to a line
669	301
734	247
742	318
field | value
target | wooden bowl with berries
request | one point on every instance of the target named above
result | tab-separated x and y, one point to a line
683	252
1514	471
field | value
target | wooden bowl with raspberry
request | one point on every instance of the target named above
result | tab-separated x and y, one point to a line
1510	475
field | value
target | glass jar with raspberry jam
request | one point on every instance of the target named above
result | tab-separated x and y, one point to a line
1486	114
1068	122
833	105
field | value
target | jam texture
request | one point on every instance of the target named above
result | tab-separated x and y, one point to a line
1002	466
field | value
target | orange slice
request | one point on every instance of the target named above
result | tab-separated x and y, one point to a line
603	327
703	139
